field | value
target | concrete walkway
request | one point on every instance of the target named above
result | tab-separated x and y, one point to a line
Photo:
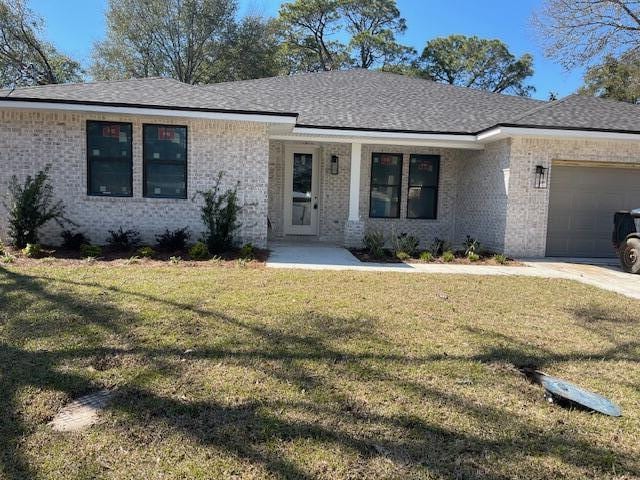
602	273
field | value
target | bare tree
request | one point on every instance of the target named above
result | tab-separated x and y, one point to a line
575	32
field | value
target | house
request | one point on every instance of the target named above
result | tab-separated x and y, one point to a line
327	156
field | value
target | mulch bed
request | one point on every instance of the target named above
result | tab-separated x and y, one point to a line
364	256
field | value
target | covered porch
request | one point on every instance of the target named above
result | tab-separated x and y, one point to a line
334	188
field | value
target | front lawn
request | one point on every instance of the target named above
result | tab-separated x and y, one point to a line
252	373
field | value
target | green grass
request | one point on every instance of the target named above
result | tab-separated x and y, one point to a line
230	372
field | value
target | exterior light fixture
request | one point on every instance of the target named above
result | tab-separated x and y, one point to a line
334	164
541	177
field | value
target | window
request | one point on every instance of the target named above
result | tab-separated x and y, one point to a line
165	161
109	166
422	196
386	174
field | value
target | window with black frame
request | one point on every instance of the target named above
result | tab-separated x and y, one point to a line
165	161
109	159
422	196
386	178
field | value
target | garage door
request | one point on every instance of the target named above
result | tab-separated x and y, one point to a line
582	201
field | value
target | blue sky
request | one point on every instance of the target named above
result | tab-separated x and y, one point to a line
74	25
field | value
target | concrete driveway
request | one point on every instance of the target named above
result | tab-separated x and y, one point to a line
602	273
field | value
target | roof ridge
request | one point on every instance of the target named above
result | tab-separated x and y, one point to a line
547	104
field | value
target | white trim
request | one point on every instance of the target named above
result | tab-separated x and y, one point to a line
336	132
354	182
245	117
381	141
504	132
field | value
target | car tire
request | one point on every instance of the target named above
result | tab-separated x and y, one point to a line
630	255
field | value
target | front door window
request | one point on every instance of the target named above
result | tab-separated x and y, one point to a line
302	185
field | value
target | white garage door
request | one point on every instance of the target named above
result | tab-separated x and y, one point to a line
582	201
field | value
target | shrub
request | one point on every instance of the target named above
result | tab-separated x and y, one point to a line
448	256
1	247
6	258
132	260
471	245
402	256
32	250
374	241
175	260
426	256
473	257
199	251
439	246
30	206
405	243
146	252
174	240
73	241
90	251
220	216
123	240
247	251
499	258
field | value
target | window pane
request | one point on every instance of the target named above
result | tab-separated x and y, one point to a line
109	158
165	180
386	169
423	170
110	177
421	202
385	202
165	143
108	140
301	189
165	159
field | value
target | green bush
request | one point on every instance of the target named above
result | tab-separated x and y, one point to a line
439	246
220	216
426	256
499	258
123	240
30	206
1	248
374	241
6	258
471	245
403	256
32	250
448	256
175	260
173	240
405	243
473	257
90	251
199	251
146	252
247	252
73	241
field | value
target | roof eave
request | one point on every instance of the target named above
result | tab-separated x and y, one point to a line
502	131
142	109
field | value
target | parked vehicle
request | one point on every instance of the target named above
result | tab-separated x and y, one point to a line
626	239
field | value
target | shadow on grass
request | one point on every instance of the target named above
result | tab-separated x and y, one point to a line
246	430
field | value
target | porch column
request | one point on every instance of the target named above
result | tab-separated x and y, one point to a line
354	186
354	227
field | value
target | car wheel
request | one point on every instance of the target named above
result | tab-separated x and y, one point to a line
630	255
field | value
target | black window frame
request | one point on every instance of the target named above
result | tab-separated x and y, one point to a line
435	188
89	159
398	185
145	161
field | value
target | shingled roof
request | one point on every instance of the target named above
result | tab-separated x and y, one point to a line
352	100
155	92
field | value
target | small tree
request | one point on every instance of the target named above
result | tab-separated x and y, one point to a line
30	206
220	216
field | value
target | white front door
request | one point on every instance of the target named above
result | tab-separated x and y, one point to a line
301	190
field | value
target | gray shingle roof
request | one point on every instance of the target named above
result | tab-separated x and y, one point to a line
146	92
581	112
353	99
364	99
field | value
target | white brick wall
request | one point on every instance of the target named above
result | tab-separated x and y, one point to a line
30	140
